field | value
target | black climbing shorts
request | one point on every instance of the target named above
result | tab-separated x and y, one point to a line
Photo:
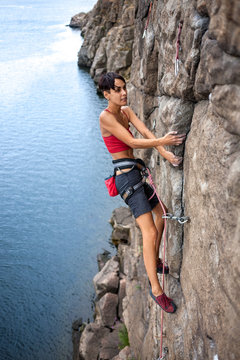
138	202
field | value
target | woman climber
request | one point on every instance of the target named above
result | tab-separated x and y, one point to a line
128	171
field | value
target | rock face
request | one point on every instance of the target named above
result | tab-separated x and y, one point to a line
108	32
202	99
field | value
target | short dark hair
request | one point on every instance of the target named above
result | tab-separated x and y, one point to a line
106	81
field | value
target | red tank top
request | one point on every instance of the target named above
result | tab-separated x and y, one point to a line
113	144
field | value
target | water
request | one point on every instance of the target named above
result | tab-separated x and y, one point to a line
54	206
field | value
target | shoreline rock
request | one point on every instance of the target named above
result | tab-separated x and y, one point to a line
108	25
77	329
78	21
100	339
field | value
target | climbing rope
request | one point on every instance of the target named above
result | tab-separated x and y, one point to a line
177	48
165	216
164	250
146	26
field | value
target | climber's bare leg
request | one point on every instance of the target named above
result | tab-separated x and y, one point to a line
149	235
159	223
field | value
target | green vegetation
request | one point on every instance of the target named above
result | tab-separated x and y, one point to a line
123	337
138	287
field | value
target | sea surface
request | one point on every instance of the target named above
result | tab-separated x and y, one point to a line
54	208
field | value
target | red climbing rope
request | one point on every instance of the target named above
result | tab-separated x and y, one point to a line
146	26
177	48
164	251
166	216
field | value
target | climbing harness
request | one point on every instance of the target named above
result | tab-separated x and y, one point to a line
178	48
181	219
131	189
165	217
124	164
146	26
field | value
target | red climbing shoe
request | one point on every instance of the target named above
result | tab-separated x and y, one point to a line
164	302
160	267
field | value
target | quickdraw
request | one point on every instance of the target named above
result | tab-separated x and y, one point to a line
162	357
178	48
146	26
181	219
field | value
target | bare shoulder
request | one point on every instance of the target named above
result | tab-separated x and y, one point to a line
128	111
105	117
103	121
107	122
102	115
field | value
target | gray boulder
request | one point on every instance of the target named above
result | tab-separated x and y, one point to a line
107	279
124	354
106	309
79	20
110	344
90	342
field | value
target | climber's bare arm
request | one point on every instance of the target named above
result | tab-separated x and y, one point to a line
146	133
110	126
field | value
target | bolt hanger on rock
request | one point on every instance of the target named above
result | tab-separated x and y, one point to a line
178	48
148	17
162	357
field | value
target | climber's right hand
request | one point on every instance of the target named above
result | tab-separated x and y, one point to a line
173	138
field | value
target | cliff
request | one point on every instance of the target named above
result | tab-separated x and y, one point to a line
202	98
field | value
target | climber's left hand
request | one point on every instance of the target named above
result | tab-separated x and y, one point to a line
173	159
